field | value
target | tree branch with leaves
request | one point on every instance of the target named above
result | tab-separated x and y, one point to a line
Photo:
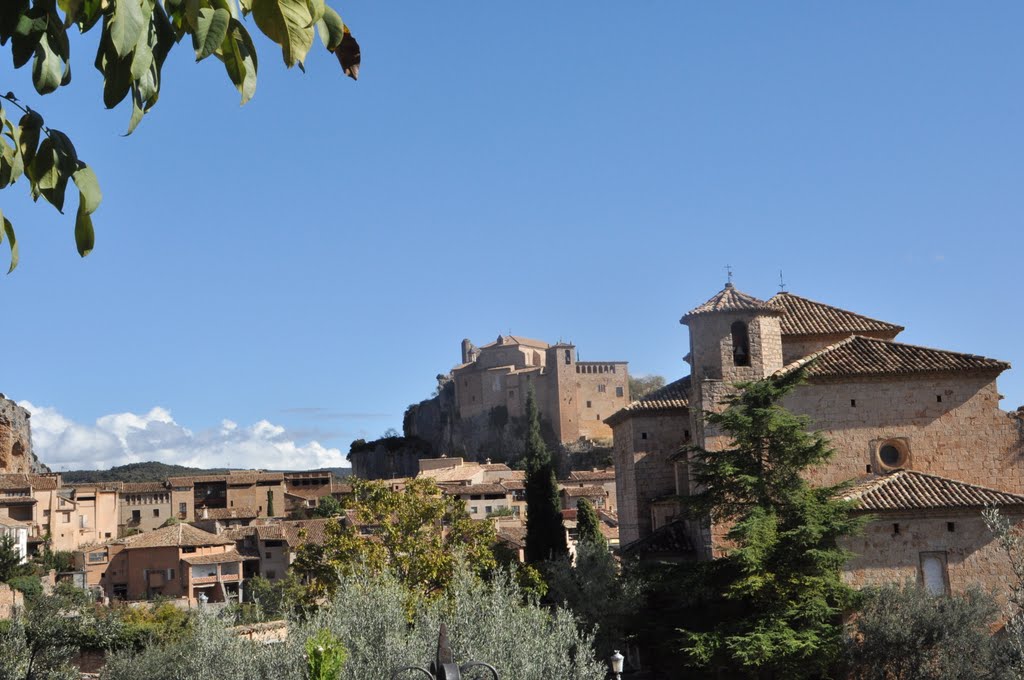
135	37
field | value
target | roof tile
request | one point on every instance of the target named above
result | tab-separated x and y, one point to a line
913	490
809	317
731	300
861	356
675	395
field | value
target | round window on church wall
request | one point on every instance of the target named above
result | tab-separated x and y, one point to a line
891	455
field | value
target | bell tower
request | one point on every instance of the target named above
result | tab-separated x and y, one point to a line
734	337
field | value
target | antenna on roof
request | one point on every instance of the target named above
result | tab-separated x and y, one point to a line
782	283
728	271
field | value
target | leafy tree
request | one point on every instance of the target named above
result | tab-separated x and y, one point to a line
276	599
1011	541
588	524
10	559
135	39
270	503
329	506
642	385
905	633
418	533
596	592
60	560
325	656
545	533
369	615
779	590
29	585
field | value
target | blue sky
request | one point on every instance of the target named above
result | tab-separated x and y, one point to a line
272	281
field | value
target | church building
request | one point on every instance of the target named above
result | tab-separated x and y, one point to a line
918	430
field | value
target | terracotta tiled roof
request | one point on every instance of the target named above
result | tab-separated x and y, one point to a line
675	395
239	478
144	487
912	490
808	317
861	356
313	492
238	533
463	473
584	491
513	536
515	340
514	484
183	535
474	489
592	475
215	558
731	300
669	539
496	467
315	531
95	486
37	482
13	523
242	512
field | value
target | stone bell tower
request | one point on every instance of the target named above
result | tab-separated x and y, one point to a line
734	337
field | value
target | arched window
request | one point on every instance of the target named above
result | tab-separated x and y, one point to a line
740	344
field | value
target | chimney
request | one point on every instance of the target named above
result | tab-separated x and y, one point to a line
206	513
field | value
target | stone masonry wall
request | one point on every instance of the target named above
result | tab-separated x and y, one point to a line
642	467
951	425
11	601
973	555
598	388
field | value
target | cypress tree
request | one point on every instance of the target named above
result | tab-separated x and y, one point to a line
588	524
545	534
778	594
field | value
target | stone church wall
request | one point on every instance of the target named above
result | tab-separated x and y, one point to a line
642	467
973	555
949	425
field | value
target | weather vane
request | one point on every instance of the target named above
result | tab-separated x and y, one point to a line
728	271
782	283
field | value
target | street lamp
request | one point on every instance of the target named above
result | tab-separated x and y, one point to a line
444	667
617	660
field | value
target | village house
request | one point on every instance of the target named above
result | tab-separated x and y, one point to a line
65	517
145	506
573	396
178	562
18	533
919	431
242	488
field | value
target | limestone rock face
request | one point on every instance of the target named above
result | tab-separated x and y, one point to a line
16	454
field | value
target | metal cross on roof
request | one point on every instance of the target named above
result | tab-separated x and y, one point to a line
728	271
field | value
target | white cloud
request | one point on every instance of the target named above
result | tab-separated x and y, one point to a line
121	438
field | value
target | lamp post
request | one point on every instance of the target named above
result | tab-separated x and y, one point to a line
444	667
617	660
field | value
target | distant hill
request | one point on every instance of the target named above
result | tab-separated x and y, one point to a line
134	472
152	472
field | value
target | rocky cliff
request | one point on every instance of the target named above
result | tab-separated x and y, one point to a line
16	454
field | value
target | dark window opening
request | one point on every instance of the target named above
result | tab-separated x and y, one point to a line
938	398
588	404
853	403
686	434
740	344
568	357
895	528
951	526
889	455
618	392
868	468
643	435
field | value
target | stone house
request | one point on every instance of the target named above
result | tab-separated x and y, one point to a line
179	562
145	506
574	397
67	517
244	488
604	478
906	421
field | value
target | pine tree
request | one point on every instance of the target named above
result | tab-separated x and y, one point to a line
545	534
588	524
779	595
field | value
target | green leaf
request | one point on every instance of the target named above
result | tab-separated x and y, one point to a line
30	126
88	189
117	72
209	34
9	230
239	58
289	24
332	29
316	10
47	68
126	25
85	237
